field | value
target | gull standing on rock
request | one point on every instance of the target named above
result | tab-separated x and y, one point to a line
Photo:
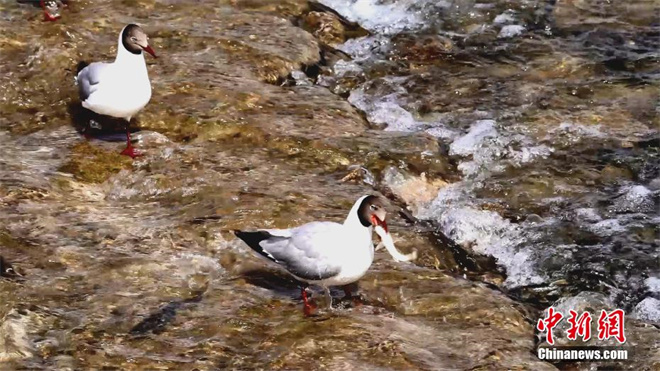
327	253
119	89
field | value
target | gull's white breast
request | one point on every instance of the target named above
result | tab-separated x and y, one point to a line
120	93
354	251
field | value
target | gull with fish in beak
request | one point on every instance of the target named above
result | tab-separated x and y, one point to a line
119	89
327	253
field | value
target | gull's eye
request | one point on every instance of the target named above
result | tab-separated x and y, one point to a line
373	207
134	39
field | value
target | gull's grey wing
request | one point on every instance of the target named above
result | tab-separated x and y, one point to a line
88	79
296	249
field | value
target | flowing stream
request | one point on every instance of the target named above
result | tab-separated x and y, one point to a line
518	143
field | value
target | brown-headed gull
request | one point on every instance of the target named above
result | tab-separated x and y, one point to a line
119	89
327	253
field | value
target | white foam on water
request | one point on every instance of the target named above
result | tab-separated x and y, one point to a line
520	271
441	132
647	310
384	111
493	151
655	184
301	78
487	150
385	107
634	199
587	215
481	142
475	168
511	30
388	18
346	68
607	227
483	232
653	284
474	139
530	154
367	47
508	17
325	80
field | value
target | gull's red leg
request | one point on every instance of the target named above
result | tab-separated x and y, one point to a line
130	150
356	299
308	307
47	16
347	292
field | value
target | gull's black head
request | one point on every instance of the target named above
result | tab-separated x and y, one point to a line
372	212
135	40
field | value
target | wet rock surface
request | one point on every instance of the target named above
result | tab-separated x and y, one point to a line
131	264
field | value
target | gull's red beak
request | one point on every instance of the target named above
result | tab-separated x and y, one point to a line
375	221
150	51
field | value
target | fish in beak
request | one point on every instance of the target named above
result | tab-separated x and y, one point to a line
377	222
388	242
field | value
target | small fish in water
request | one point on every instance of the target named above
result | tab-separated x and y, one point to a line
327	253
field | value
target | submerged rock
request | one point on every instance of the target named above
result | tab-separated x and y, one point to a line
414	191
422	50
493	332
634	199
584	14
15	343
511	30
91	164
648	310
326	27
474	139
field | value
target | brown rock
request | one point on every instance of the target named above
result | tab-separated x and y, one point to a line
325	26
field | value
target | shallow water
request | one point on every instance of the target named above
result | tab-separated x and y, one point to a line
527	132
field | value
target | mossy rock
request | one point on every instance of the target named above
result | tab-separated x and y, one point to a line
91	164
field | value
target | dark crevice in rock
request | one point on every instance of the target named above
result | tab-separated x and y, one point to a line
313	71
